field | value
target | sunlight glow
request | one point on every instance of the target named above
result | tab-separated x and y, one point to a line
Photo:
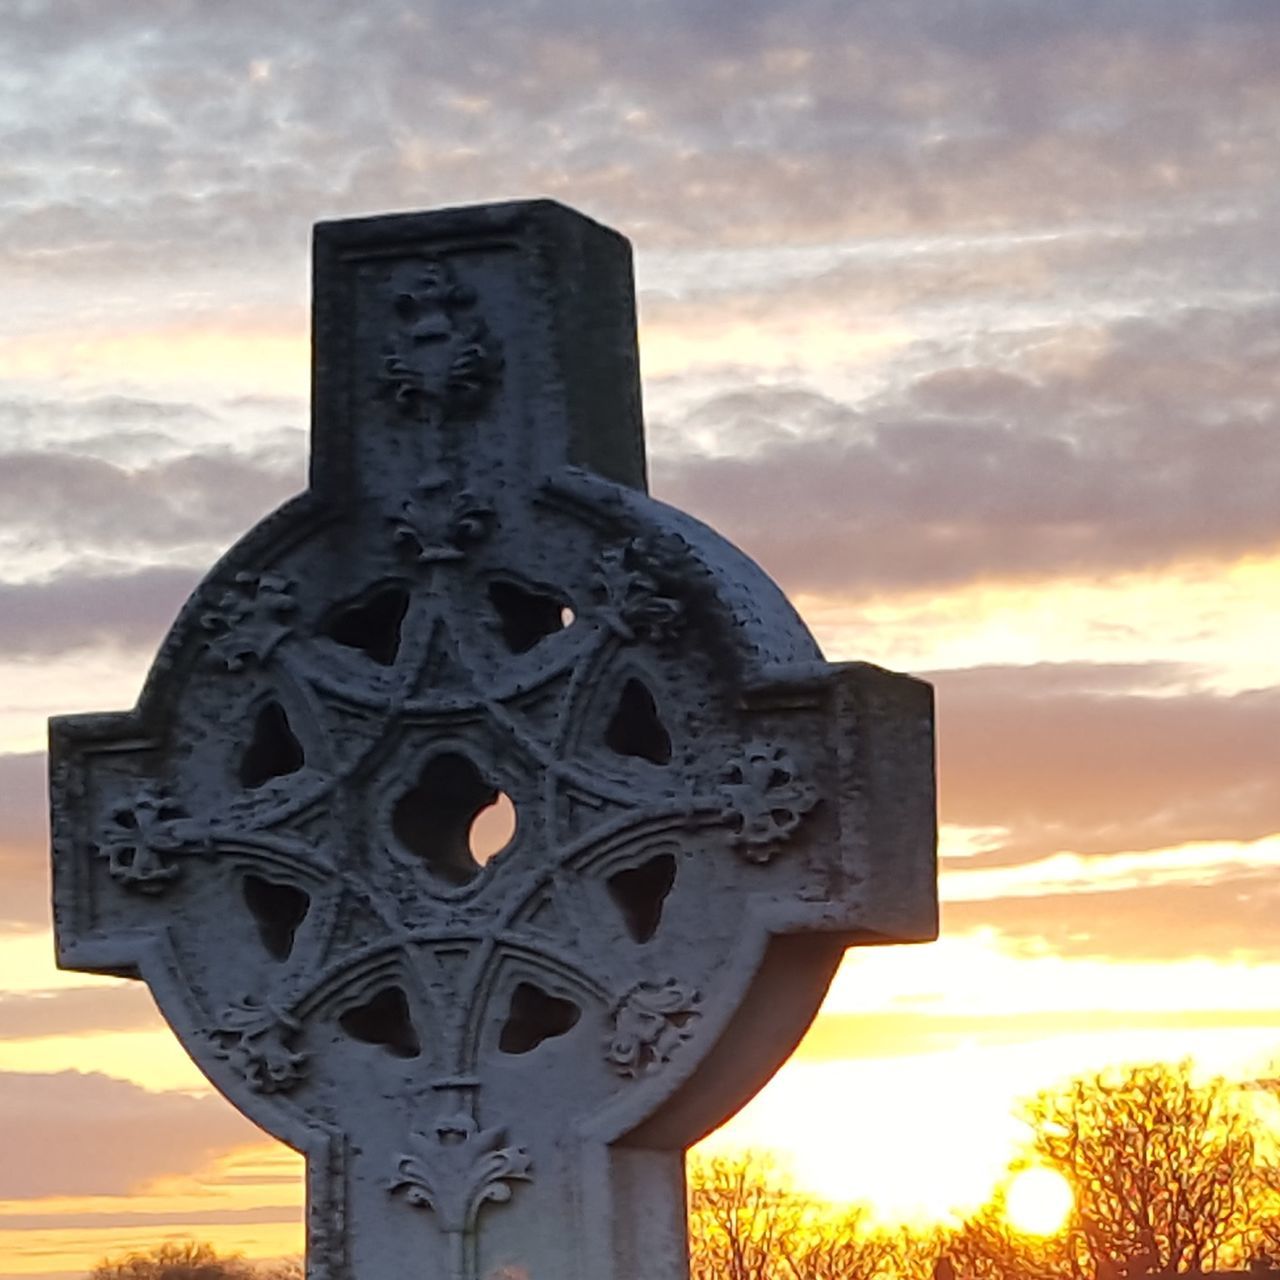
1038	1201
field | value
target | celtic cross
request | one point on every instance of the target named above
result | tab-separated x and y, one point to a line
493	1059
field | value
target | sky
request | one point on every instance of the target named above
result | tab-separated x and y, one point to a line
960	316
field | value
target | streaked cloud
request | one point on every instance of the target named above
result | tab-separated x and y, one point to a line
1232	912
1092	759
209	136
33	1015
77	501
1130	447
50	1120
72	610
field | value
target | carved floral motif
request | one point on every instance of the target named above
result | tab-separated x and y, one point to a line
255	1038
246	622
458	1168
441	361
649	1024
635	591
145	837
765	800
433	533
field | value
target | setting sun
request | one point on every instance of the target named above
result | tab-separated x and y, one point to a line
1038	1201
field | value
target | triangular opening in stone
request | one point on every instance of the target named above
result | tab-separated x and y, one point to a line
640	892
373	625
273	751
525	616
384	1020
535	1015
278	910
636	729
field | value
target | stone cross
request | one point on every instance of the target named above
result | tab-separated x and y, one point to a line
493	1060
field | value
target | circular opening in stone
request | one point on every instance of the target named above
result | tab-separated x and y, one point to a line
453	818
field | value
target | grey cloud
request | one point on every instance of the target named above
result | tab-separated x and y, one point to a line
192	499
687	123
77	610
22	820
130	412
24	841
1124	448
50	1121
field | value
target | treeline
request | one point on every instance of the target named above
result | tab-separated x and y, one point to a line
1170	1175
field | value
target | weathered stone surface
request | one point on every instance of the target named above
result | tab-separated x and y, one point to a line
489	1063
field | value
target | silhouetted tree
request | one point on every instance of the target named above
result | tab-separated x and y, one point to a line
747	1223
191	1260
1164	1170
986	1247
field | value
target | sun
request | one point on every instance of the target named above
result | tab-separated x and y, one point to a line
1038	1201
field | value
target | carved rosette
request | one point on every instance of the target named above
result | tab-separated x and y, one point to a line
146	839
765	800
431	528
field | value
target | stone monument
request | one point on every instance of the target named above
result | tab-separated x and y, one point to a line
493	1064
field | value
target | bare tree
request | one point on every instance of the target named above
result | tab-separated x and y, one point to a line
987	1247
746	1222
1163	1167
192	1260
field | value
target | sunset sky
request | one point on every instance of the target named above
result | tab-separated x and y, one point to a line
961	316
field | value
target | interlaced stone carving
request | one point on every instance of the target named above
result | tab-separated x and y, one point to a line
476	601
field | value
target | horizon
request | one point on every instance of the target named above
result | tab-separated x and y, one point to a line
961	319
